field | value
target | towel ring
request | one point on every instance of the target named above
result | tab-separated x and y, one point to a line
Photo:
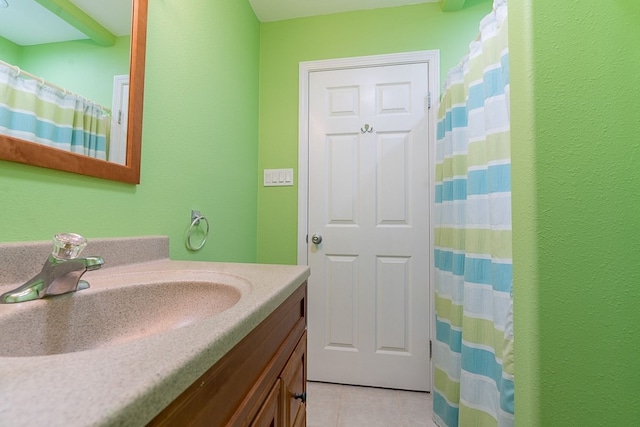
195	221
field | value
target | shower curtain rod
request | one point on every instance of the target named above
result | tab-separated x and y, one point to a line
42	81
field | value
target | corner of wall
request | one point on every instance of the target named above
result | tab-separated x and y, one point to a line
526	305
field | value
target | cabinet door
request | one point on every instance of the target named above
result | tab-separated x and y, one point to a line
269	413
301	418
294	386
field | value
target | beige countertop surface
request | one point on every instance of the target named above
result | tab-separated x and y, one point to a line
128	383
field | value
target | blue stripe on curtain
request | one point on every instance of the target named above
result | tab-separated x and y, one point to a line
494	179
472	214
481	362
492	85
449	261
445	334
21	122
476	97
507	395
504	65
487	272
476	270
446	413
438	193
455	116
455	189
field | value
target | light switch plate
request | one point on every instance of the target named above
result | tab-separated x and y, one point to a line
278	177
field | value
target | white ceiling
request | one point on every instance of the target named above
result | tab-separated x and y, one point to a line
277	10
26	22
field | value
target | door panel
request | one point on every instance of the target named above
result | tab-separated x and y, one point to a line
392	199
341	304
368	199
392	297
343	193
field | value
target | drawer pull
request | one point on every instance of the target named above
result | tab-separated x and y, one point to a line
301	396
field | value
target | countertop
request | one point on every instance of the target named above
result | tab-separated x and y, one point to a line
128	384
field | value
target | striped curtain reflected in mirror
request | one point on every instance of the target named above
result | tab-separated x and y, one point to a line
33	110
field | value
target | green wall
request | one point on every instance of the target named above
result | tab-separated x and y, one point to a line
9	51
575	152
576	196
68	64
200	134
199	148
284	44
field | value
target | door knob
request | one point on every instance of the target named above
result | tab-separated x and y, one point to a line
316	239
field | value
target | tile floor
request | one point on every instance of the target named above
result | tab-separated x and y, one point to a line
333	405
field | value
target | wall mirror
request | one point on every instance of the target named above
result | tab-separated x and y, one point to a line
22	151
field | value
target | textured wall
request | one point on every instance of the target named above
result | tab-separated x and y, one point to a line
199	148
68	64
576	148
286	43
9	51
200	130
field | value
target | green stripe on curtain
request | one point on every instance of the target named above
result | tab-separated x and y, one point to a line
496	243
449	310
451	389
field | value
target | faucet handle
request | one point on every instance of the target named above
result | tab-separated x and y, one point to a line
68	245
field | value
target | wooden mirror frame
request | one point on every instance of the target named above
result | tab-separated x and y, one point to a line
31	153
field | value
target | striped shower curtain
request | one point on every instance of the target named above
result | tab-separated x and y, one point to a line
473	379
35	112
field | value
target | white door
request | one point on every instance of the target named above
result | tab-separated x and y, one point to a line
368	201
119	120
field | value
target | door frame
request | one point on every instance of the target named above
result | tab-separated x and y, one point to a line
432	58
118	146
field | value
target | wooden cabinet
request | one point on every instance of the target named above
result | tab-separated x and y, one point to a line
260	382
269	413
286	404
294	388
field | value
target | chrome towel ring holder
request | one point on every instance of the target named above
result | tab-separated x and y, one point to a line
196	217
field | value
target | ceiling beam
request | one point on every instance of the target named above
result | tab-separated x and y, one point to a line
451	5
73	15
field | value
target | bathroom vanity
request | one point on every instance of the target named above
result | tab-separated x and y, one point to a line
260	382
155	350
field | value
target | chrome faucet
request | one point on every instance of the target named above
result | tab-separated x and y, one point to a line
61	272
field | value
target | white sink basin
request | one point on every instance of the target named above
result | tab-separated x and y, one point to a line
113	311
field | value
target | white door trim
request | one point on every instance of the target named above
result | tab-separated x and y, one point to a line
118	144
432	57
